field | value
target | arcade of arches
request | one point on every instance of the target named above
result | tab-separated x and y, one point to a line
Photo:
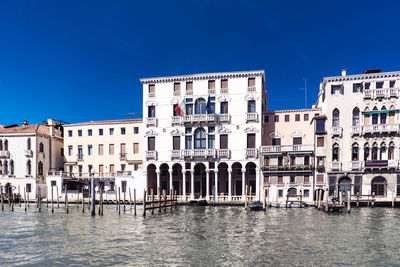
218	181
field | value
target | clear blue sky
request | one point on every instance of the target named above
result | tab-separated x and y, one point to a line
82	60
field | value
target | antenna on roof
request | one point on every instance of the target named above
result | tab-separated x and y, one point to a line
305	92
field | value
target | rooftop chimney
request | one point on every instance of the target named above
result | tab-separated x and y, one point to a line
343	72
51	123
25	123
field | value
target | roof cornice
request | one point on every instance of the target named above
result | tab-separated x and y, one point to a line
362	76
292	110
200	76
101	123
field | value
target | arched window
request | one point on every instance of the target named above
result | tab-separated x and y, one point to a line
378	186
1	145
335	152
367	118
335	118
383	116
28	144
356	116
375	116
200	139
40	168
1	168
366	152
382	151
374	151
200	106
391	151
5	167
41	147
28	167
6	145
392	114
354	152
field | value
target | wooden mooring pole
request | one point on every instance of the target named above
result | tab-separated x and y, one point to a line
11	198
268	203
159	199
20	195
144	203
52	206
152	200
39	201
119	200
124	198
373	199
358	199
245	197
134	201
263	197
66	198
58	199
130	199
348	201
83	201
25	198
326	200
47	196
2	197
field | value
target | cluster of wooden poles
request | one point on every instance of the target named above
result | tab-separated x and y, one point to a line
161	203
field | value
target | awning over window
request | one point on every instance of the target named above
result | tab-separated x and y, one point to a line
377	112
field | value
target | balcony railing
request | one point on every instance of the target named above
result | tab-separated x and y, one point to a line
287	148
356	165
336	165
177	93
356	130
176	154
252	116
251	89
224	117
224	90
289	167
79	157
197	118
152	94
176	120
29	153
189	92
151	122
251	152
122	156
336	130
199	153
211	91
4	154
151	155
381	93
377	164
224	153
379	128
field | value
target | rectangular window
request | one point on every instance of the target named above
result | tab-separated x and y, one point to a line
367	86
306	193
391	84
100	132
306	179
320	126
123	167
112	186
379	85
90	167
28	188
224	107
90	150
123	186
189	86
357	87
112	169
152	88
276	141
297	140
276	118
101	149
135	148
335	89
266	118
123	130
80	152
224	84
287	118
70	150
266	179
151	143
80	170
136	130
70	133
79	132
280	179
123	148
101	168
251	82
53	183
151	111
211	141
320	141
176	142
251	140
111	131
305	117
136	167
189	109
188	142
280	193
320	178
223	141
211	84
177	87
297	117
251	106
89	132
111	149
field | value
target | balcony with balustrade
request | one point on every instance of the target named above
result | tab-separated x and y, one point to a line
336	131
152	95
224	153
199	153
251	153
252	117
200	118
151	155
176	120
381	128
356	130
176	154
122	156
28	152
251	89
177	93
287	148
381	93
224	117
189	92
211	91
336	166
151	122
381	164
356	165
79	157
4	154
224	90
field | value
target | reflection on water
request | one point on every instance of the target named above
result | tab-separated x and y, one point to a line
201	236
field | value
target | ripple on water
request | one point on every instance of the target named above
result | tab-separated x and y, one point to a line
201	236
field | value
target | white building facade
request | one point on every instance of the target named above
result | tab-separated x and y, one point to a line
27	153
212	150
360	133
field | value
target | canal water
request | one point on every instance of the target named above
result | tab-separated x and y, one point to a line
201	236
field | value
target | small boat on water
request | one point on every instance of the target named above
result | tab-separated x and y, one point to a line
200	202
256	205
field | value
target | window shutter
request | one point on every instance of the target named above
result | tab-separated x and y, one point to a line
361	87
332	89
252	82
177	87
189	86
224	141
342	89
224	83
176	143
